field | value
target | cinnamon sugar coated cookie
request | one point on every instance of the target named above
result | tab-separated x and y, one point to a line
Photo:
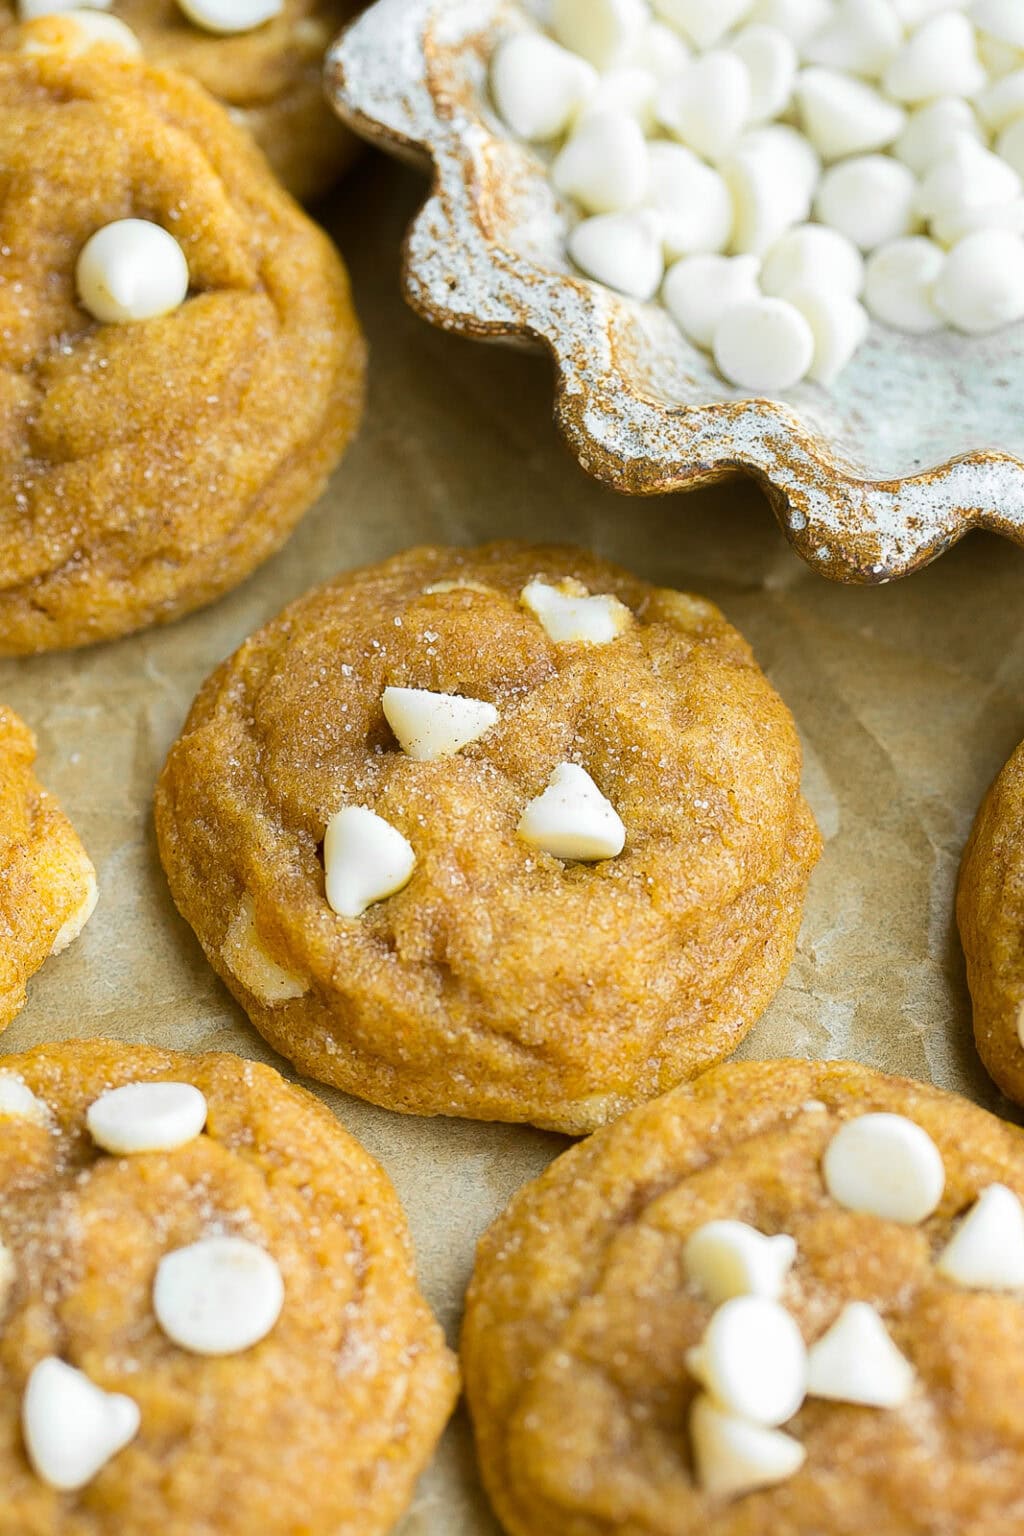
990	912
47	881
156	445
504	833
787	1297
210	1320
267	71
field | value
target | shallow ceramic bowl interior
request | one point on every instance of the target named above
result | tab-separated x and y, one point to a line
921	439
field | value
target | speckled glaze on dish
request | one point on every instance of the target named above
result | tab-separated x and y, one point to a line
921	440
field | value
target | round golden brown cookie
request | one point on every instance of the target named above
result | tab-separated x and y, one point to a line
269	78
285	1375
150	466
990	912
47	882
504	980
887	1362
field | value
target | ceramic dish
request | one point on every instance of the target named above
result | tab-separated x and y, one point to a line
921	440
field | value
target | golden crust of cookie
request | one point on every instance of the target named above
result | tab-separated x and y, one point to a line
321	1427
579	1317
501	983
47	881
148	468
990	912
270	79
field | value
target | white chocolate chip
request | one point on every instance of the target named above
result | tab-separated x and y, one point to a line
752	1360
857	1362
73	924
19	1102
771	61
441	587
812	253
912	12
1002	19
1001	101
699	290
900	284
431	725
627	90
951	228
569	615
539	87
869	199
933	131
604	164
621	250
981	287
764	345
660	49
691	199
838	324
861	36
886	1165
771	173
730	1258
365	860
571	819
230	16
734	1457
30	10
969	176
1010	145
708	104
218	1296
248	958
798	20
997	58
131	270
939	59
843	116
986	1252
77	32
601	31
72	1427
703	22
146	1117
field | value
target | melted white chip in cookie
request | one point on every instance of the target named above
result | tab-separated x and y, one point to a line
146	1117
76	32
365	860
431	725
72	926
569	614
730	1258
571	819
229	16
857	1362
734	1456
886	1165
71	1426
752	1360
18	1100
218	1296
986	1252
247	958
131	270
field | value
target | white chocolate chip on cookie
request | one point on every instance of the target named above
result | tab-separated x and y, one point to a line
131	270
856	1361
218	1296
730	1258
71	1426
247	957
431	725
571	819
570	615
752	1360
74	32
229	16
734	1457
18	1101
146	1117
886	1165
365	860
986	1252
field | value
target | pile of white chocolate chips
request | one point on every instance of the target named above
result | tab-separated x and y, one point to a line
777	169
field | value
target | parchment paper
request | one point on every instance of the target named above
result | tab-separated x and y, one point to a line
908	698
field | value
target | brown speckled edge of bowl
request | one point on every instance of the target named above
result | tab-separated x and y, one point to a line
389	76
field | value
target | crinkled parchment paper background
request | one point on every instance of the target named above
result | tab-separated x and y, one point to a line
908	698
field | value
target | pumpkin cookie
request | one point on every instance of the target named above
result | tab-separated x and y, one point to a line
264	62
784	1298
47	882
202	1331
990	912
181	366
504	833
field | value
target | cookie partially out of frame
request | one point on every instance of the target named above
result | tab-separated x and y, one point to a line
204	1330
148	467
817	1245
47	881
990	912
502	979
